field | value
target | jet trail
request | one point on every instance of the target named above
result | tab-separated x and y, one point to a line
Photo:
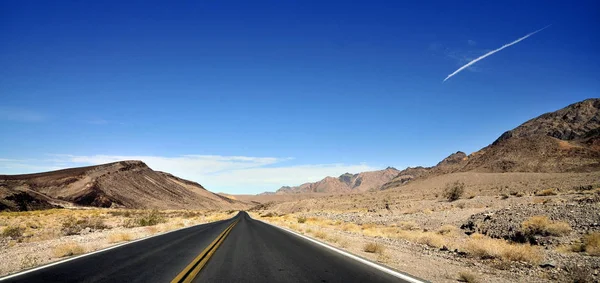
494	51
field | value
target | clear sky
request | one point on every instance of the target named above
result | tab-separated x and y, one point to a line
247	96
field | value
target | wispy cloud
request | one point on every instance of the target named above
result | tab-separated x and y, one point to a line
492	52
20	115
234	174
471	42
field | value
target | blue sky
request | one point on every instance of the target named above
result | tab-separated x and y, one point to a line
247	96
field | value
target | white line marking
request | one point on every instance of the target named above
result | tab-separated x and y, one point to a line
374	265
95	252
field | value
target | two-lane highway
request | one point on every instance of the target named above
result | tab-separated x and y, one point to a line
258	252
240	249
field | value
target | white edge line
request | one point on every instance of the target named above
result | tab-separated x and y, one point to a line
98	251
364	261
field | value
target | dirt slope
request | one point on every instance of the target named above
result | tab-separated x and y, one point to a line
346	183
130	184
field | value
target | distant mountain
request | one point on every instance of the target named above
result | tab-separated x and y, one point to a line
567	140
129	184
345	183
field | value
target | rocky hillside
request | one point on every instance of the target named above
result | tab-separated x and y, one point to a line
130	184
567	140
346	183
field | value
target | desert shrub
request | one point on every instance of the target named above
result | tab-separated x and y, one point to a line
150	218
29	261
14	232
320	235
119	237
591	243
519	194
408	225
72	225
269	214
301	219
373	248
503	196
547	192
454	191
67	250
124	213
447	230
333	239
190	214
487	248
541	225
431	239
350	227
366	226
465	276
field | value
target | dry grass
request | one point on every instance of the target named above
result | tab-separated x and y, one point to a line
431	239
374	248
487	248
43	225
120	237
320	234
72	225
408	225
13	232
542	225
448	230
350	227
591	243
466	276
68	250
478	246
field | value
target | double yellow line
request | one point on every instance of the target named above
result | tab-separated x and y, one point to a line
189	272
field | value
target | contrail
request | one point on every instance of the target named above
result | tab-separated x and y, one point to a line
494	51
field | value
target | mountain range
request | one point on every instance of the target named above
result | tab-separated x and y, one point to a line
567	140
345	183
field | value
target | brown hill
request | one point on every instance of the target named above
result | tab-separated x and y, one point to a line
346	183
567	140
130	184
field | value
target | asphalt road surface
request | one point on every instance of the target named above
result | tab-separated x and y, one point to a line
252	252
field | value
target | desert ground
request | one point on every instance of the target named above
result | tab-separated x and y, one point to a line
499	227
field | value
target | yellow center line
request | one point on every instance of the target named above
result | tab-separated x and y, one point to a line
189	272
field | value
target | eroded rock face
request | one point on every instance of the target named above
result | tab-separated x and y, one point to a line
22	201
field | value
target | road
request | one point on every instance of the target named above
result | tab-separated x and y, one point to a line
240	249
